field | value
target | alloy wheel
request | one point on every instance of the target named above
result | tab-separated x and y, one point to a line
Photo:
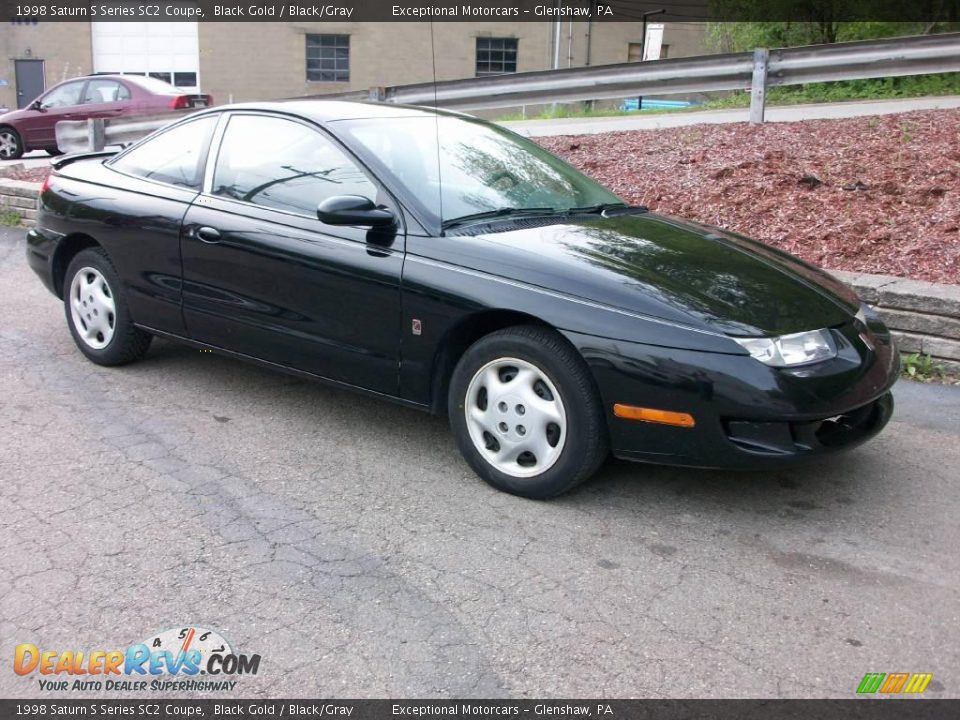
93	308
515	417
9	144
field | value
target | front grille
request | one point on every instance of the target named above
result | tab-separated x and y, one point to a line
791	438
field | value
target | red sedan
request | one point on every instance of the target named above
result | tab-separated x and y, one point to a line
96	96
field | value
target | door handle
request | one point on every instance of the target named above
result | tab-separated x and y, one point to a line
208	234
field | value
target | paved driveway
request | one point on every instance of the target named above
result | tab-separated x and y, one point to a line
345	541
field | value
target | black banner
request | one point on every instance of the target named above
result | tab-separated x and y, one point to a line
853	709
945	12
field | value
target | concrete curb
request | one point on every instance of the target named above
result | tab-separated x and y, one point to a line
924	316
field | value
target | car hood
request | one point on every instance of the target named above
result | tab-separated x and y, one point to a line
9	118
663	267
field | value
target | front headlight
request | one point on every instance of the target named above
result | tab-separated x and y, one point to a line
800	348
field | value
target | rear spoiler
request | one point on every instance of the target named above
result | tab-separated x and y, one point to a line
65	160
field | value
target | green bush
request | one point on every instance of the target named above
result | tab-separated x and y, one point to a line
876	89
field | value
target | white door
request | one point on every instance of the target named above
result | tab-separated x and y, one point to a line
168	51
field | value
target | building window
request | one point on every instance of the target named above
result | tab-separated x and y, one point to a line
185	79
328	58
635	52
496	56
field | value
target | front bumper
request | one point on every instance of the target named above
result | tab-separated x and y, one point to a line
748	415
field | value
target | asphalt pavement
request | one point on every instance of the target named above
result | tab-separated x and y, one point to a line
345	541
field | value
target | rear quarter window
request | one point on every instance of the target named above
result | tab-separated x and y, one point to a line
175	157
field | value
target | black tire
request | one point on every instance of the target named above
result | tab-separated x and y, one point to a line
585	443
53	152
128	343
11	144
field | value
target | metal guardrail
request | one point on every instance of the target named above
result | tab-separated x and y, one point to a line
97	133
732	71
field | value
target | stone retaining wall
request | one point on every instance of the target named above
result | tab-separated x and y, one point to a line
924	317
20	197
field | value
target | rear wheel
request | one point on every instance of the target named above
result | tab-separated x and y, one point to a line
525	412
97	311
11	146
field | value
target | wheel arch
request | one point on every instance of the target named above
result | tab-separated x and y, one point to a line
460	337
67	249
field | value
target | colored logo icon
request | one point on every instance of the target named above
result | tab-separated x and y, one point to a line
891	683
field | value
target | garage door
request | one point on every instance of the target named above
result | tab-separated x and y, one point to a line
168	51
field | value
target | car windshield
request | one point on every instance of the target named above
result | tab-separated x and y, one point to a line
456	168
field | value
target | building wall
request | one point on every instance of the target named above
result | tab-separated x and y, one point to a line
250	62
242	61
65	49
258	61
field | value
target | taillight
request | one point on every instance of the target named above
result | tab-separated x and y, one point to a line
179	102
46	184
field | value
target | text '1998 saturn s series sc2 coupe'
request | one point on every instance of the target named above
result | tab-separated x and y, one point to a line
450	265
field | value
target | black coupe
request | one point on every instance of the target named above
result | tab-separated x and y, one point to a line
450	265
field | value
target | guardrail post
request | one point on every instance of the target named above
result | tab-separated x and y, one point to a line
758	85
96	134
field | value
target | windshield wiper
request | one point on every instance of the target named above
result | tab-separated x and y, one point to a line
596	209
499	212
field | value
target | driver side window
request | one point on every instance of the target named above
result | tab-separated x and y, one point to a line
284	165
63	96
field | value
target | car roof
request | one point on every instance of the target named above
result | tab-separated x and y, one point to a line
333	110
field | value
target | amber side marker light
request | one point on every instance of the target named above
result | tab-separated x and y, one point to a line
664	417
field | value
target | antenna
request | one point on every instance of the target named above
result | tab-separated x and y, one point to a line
436	122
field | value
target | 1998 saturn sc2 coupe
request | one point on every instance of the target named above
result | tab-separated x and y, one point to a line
450	265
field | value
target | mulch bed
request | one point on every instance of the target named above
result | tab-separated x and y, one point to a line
29	174
873	194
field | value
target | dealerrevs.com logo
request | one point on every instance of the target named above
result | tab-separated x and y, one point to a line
167	661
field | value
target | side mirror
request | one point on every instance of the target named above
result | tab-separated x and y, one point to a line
353	210
36	105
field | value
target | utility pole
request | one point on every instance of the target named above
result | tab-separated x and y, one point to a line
643	44
557	28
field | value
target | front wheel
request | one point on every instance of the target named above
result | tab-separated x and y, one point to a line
526	414
97	311
11	146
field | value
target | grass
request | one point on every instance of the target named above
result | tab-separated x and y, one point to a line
825	92
841	90
9	217
568	111
923	368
